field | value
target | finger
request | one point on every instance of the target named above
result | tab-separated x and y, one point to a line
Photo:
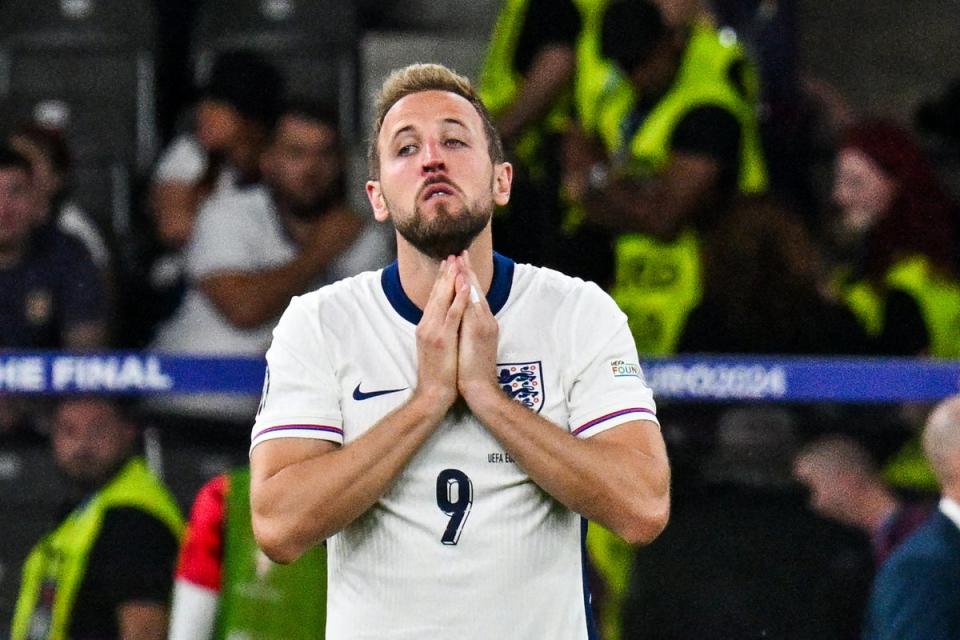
460	302
477	298
443	290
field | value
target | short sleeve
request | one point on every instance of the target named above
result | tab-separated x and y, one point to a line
300	391
201	554
607	386
182	161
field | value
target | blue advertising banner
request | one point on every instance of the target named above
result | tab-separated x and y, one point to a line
689	378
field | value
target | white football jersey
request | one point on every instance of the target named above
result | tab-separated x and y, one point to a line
464	544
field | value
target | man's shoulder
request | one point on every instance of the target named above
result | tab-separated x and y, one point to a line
935	544
549	286
360	289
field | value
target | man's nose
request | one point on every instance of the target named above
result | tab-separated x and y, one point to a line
432	157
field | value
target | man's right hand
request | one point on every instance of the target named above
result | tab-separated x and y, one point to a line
438	338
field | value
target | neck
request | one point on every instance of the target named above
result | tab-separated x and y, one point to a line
418	271
952	492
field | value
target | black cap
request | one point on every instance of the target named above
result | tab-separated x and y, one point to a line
248	83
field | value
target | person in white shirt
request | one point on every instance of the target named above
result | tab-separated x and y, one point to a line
448	424
916	594
255	249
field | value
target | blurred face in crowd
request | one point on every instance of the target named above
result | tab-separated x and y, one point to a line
16	207
831	489
90	440
862	190
302	166
219	125
437	181
46	180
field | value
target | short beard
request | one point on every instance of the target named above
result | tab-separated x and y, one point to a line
447	234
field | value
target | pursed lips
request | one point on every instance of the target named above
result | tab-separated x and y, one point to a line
437	186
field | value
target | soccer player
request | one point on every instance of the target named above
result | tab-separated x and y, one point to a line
446	424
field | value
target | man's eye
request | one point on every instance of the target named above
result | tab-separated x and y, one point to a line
406	150
454	142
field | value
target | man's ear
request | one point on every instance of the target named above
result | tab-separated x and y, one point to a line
502	179
377	201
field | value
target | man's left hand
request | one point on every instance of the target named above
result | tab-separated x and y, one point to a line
479	337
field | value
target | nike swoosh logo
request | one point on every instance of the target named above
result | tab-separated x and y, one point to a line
366	395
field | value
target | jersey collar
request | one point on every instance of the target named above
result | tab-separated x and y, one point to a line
496	297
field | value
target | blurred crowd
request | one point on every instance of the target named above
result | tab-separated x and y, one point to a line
671	151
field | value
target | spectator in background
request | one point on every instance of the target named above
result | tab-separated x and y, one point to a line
225	583
845	485
51	295
679	142
916	595
898	229
745	309
220	154
255	249
106	570
233	119
526	84
50	161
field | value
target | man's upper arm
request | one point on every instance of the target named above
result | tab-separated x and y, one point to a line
640	435
607	388
301	392
272	456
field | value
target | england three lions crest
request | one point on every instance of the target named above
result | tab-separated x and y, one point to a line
522	381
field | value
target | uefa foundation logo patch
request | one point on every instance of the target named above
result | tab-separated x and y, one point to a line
624	369
522	381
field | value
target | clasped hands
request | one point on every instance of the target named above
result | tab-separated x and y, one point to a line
457	338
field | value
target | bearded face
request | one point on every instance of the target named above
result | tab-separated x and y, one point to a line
448	231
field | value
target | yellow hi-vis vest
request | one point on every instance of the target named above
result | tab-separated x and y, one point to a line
597	78
55	567
939	301
938	298
658	283
702	80
500	83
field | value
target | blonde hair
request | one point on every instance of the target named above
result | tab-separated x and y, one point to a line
417	78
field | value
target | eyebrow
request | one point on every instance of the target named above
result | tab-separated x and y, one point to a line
409	128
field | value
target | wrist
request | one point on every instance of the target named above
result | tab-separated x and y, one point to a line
480	395
432	401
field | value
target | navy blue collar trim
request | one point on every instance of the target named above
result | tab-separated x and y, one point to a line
496	297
